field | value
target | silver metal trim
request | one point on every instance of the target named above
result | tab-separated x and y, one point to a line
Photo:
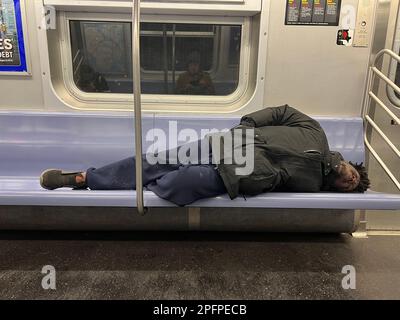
360	224
391	233
182	34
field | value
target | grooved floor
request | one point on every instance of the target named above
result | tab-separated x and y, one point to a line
143	265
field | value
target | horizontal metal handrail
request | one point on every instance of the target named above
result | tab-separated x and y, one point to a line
374	71
388	52
386	79
394	56
384	107
197	34
382	163
383	135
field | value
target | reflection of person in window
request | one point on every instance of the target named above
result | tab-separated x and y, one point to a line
195	81
91	81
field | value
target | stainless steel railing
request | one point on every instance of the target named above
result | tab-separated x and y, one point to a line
371	96
137	104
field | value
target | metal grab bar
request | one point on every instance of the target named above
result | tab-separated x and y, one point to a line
374	71
137	104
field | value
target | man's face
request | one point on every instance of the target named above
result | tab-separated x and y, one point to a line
193	68
348	178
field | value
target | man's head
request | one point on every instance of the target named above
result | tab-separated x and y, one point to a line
193	68
193	62
351	178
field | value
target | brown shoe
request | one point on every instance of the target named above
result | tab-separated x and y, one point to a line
54	178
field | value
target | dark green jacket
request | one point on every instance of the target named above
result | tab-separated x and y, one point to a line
291	153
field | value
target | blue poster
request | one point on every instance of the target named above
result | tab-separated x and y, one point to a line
12	46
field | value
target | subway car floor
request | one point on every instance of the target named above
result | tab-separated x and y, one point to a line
143	265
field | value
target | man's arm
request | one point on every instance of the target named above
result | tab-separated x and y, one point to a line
207	83
182	84
279	116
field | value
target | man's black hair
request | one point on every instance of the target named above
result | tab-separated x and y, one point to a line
365	183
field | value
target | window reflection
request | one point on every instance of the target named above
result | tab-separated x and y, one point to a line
188	59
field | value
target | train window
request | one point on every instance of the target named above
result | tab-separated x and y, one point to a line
176	58
100	51
234	45
159	42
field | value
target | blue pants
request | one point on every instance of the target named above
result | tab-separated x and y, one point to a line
179	183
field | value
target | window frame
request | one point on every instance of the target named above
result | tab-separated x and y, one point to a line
153	101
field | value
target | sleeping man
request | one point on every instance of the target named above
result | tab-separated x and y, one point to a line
285	150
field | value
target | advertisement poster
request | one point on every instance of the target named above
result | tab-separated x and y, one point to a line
12	46
313	12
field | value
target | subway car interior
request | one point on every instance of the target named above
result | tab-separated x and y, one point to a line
84	84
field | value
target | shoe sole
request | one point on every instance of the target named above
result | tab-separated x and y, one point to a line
41	178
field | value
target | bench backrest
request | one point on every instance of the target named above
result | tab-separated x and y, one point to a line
32	142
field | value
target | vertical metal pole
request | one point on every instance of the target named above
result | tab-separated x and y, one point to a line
165	58
137	104
173	57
